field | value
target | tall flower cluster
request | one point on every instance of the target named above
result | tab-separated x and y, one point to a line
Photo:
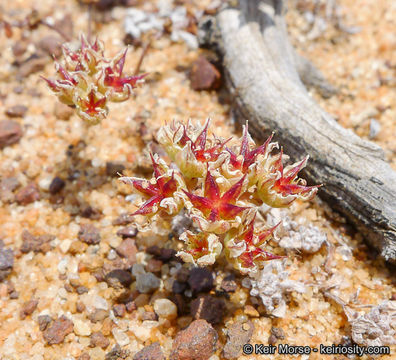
221	183
88	80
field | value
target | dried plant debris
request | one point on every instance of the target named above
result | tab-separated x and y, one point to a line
375	328
292	235
175	20
272	284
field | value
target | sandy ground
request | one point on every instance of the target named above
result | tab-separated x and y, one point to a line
361	66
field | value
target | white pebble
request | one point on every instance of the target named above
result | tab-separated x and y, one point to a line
165	308
120	337
62	293
111	255
100	303
65	245
45	183
82	328
62	266
138	269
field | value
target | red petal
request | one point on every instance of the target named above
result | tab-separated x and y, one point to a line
157	172
65	74
147	207
292	173
233	159
245	141
201	203
211	187
185	138
170	187
264	255
201	139
214	215
51	83
100	102
278	163
252	155
141	186
233	193
267	233
119	65
248	236
229	211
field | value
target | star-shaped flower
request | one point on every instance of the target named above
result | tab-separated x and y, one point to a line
287	184
246	156
246	249
280	186
202	248
92	109
113	78
216	207
160	188
198	146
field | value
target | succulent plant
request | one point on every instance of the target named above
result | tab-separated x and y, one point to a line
88	81
221	183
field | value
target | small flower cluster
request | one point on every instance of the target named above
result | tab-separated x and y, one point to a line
88	80
221	184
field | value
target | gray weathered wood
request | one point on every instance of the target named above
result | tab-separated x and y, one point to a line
260	68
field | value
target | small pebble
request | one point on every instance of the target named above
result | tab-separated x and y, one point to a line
28	308
251	311
127	232
238	334
98	339
62	111
98	315
151	352
209	308
28	194
31	66
123	219
82	328
120	337
229	284
119	310
10	133
375	128
80	307
146	283
118	278
52	45
44	321
204	75
127	249
6	258
57	184
200	280
197	342
16	111
56	333
138	269
154	266
89	234
165	308
7	186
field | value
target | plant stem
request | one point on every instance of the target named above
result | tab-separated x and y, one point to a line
139	64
